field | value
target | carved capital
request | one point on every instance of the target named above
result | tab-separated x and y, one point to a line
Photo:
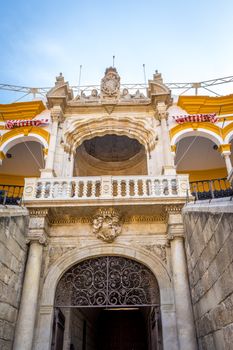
107	224
161	111
57	114
175	232
37	236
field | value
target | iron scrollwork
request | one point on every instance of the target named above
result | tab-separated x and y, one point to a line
107	281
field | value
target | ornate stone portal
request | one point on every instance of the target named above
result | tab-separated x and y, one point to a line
106	224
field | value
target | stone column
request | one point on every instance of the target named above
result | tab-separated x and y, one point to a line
70	165
148	161
24	332
56	115
184	312
228	162
168	167
225	151
2	156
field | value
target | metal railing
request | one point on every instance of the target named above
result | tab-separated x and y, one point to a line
11	194
209	189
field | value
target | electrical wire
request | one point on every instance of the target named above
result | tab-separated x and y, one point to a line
32	155
184	154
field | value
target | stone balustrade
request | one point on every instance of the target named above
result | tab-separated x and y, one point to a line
105	187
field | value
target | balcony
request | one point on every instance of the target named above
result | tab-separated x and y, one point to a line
104	190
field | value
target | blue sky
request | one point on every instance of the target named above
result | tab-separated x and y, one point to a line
185	40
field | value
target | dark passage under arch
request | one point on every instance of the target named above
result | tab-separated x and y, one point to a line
108	302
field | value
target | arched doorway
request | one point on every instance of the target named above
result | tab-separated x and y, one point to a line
109	302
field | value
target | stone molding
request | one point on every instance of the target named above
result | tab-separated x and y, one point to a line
158	249
174	208
79	130
38	225
160	218
38	212
57	251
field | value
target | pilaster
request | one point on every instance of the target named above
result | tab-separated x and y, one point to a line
36	239
168	160
57	117
184	312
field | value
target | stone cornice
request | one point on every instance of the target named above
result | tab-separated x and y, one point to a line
38	212
174	208
159	218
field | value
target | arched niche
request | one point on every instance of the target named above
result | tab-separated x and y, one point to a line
110	155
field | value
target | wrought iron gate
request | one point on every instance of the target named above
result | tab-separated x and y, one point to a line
107	281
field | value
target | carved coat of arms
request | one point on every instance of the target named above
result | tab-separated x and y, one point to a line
106	224
110	84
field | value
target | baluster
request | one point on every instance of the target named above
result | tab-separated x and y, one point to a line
169	187
60	188
119	186
144	188
85	188
156	187
68	189
165	187
43	188
77	187
149	187
93	189
37	190
127	188
136	194
153	193
51	189
211	187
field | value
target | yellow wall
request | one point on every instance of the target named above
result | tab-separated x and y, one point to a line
205	174
12	180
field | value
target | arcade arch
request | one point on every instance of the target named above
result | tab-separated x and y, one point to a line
23	156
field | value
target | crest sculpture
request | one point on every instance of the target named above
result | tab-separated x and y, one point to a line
106	224
110	84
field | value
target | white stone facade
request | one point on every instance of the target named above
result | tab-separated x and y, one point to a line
133	212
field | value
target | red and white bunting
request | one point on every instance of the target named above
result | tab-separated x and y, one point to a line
196	118
10	124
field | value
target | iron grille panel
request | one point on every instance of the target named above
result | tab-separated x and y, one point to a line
107	281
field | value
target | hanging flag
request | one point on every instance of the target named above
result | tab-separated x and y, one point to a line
10	124
196	118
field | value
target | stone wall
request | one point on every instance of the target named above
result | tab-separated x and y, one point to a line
13	223
209	248
75	322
